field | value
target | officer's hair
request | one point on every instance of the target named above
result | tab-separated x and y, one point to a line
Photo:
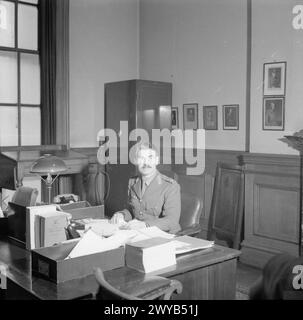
146	145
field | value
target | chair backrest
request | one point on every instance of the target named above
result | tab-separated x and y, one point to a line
25	196
150	288
191	209
227	207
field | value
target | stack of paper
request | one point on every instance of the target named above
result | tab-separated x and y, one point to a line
150	255
185	244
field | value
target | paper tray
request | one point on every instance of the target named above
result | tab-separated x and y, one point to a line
82	210
49	262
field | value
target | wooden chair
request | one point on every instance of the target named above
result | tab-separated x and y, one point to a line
151	288
226	213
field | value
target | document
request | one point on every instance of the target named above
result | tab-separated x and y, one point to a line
102	227
150	232
185	244
92	243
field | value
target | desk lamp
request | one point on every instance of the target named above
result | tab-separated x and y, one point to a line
48	165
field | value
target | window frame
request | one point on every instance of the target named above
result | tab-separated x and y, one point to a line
19	52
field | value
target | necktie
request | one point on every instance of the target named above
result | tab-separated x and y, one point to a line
144	185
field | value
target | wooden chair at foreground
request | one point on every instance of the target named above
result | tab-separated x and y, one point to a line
150	288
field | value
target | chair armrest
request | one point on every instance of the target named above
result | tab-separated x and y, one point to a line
190	231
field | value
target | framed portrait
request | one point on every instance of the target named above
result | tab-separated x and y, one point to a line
190	116
174	118
210	117
274	79
230	117
273	113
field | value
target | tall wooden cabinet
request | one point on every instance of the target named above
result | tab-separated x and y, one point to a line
143	104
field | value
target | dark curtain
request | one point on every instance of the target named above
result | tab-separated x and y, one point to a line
47	47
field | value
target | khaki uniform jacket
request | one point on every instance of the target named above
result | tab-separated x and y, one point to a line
160	205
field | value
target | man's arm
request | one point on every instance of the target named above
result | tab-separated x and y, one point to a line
171	211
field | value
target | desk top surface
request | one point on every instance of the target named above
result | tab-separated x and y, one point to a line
18	261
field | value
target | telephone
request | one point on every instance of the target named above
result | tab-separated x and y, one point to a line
66	198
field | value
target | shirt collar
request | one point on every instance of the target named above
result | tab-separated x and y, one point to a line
149	179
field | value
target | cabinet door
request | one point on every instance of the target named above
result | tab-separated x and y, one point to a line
154	101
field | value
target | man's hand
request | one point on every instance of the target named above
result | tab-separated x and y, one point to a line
118	218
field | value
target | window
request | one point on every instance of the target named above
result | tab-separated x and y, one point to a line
20	109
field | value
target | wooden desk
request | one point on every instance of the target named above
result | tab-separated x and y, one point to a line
14	165
205	274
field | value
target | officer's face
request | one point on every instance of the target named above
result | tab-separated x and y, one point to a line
147	161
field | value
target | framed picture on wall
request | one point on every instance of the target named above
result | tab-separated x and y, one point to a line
210	117
230	117
274	79
273	113
174	118
190	116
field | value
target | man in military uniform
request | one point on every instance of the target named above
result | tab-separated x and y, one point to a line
153	198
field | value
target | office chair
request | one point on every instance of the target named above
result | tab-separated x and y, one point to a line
191	208
151	288
227	207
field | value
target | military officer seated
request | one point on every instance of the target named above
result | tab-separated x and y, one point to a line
153	198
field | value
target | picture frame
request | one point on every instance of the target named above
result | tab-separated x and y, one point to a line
274	79
190	116
273	113
210	117
230	114
174	118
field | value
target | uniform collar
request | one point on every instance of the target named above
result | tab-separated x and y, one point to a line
149	179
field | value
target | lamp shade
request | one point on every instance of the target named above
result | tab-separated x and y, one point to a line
48	164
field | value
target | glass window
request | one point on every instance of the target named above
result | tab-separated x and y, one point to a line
30	126
8	126
8	77
20	110
30	79
27	27
7	24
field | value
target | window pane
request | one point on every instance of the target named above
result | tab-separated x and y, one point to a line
8	77
30	126
30	79
8	126
7	24
27	27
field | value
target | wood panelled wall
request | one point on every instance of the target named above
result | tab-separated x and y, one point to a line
272	206
271	217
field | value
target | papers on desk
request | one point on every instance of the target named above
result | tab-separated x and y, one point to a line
92	243
185	244
101	227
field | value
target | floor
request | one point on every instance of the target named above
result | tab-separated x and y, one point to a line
246	277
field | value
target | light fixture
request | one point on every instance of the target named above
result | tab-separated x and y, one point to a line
48	165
